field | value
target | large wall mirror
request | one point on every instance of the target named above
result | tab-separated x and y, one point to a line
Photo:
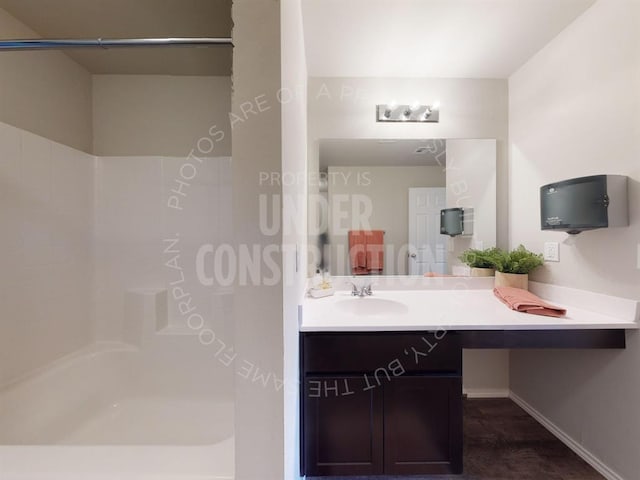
391	193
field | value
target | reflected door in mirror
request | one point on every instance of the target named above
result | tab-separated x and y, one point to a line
427	247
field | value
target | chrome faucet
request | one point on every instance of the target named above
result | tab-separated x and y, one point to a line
361	291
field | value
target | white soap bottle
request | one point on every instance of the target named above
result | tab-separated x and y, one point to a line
326	279
316	282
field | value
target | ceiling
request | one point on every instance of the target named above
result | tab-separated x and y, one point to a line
134	19
380	153
430	38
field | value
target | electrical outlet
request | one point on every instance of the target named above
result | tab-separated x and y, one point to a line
551	251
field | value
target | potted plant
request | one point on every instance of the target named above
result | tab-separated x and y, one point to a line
512	268
482	262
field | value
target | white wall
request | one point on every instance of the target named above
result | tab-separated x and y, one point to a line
386	192
258	309
314	213
294	152
46	93
471	183
575	110
345	108
159	114
136	221
46	213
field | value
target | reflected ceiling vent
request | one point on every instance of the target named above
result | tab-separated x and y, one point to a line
416	113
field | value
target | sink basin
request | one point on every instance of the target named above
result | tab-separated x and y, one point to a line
371	307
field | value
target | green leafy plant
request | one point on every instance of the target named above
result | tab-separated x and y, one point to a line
519	260
487	258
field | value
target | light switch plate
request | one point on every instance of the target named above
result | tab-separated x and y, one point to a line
552	251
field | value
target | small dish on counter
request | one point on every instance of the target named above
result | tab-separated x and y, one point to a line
321	292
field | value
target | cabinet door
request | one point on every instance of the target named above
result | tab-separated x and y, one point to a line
342	426
423	425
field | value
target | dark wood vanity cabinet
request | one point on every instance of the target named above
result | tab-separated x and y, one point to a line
423	425
343	428
381	403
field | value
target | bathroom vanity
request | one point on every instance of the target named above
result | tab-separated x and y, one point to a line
382	403
381	376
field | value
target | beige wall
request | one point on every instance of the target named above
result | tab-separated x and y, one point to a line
294	152
387	190
574	111
46	93
258	309
159	114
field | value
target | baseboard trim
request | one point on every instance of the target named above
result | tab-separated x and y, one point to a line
486	392
578	449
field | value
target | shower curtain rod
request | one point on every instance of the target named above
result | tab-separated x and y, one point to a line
106	43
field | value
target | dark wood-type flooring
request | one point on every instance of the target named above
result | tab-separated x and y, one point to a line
503	442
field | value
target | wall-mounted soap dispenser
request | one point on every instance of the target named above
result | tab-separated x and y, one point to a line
456	221
585	203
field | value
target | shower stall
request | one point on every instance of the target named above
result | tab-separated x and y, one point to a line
115	358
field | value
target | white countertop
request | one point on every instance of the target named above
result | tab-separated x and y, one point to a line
434	306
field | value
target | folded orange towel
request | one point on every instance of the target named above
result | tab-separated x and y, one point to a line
375	250
366	251
357	252
524	301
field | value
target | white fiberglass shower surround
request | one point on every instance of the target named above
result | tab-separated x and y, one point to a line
102	374
140	393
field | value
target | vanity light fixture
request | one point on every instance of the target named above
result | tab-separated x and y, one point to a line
389	108
392	112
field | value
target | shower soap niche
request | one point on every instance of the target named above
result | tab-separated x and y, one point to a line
146	314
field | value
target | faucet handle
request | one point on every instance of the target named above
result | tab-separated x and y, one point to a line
354	289
360	290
